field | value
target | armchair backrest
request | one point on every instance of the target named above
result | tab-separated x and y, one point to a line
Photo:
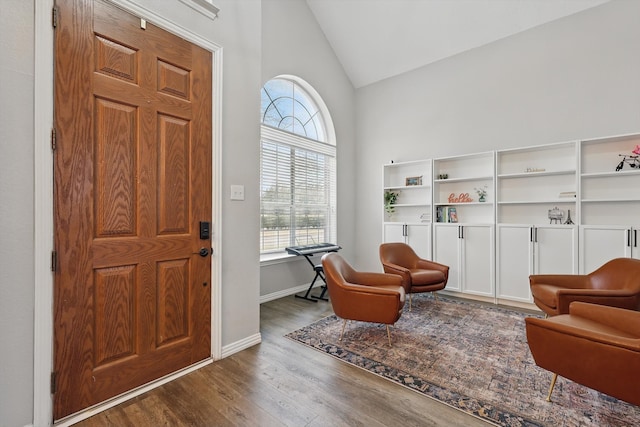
398	253
619	273
354	295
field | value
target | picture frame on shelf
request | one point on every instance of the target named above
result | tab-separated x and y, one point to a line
452	214
413	180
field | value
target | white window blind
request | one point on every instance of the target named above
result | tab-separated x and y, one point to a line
298	191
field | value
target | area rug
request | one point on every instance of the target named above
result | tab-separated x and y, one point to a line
471	356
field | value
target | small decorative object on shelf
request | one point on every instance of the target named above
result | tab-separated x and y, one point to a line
453	215
565	194
555	216
413	180
390	198
461	198
534	170
443	176
446	214
482	193
569	221
632	161
425	217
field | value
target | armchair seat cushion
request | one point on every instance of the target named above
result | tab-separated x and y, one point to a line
591	330
426	277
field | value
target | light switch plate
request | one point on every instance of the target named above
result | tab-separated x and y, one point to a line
237	192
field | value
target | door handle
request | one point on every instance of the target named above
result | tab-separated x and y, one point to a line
204	252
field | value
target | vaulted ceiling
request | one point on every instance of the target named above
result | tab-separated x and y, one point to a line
378	39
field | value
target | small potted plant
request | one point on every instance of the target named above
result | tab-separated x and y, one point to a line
482	193
390	198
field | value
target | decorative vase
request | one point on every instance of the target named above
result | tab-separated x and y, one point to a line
482	198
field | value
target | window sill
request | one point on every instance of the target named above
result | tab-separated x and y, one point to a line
276	258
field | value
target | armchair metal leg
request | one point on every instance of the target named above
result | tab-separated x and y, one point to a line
435	296
342	332
553	384
410	301
389	335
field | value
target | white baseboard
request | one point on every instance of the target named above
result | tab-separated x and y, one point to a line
286	293
243	344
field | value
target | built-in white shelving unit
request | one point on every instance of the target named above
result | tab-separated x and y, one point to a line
410	221
537	213
465	239
610	200
562	208
455	183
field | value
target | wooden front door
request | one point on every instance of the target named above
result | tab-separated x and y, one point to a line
132	298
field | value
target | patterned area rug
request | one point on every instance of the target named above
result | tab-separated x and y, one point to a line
470	356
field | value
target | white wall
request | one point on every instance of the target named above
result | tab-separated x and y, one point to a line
575	78
16	212
293	43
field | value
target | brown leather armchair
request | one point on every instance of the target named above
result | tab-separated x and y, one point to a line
418	275
616	283
594	345
367	297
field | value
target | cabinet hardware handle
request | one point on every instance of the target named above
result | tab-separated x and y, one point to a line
635	238
629	237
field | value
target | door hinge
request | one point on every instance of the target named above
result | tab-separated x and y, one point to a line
54	16
54	260
53	139
53	382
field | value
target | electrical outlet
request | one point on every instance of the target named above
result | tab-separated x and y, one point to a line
237	192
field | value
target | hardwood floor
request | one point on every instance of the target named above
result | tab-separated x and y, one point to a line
281	383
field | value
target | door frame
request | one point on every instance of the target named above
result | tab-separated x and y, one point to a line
43	208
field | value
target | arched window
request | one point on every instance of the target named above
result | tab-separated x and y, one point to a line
297	167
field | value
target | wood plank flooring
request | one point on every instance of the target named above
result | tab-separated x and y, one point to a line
281	383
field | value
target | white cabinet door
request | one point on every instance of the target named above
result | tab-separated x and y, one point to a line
477	259
446	250
602	243
393	232
555	250
515	261
524	250
419	238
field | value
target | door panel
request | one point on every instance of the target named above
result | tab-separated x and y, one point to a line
478	259
556	250
602	243
515	261
446	250
132	300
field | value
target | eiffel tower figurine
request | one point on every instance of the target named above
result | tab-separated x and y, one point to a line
568	221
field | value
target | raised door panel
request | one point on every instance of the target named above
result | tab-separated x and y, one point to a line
599	244
419	238
393	233
515	262
478	260
446	250
556	250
